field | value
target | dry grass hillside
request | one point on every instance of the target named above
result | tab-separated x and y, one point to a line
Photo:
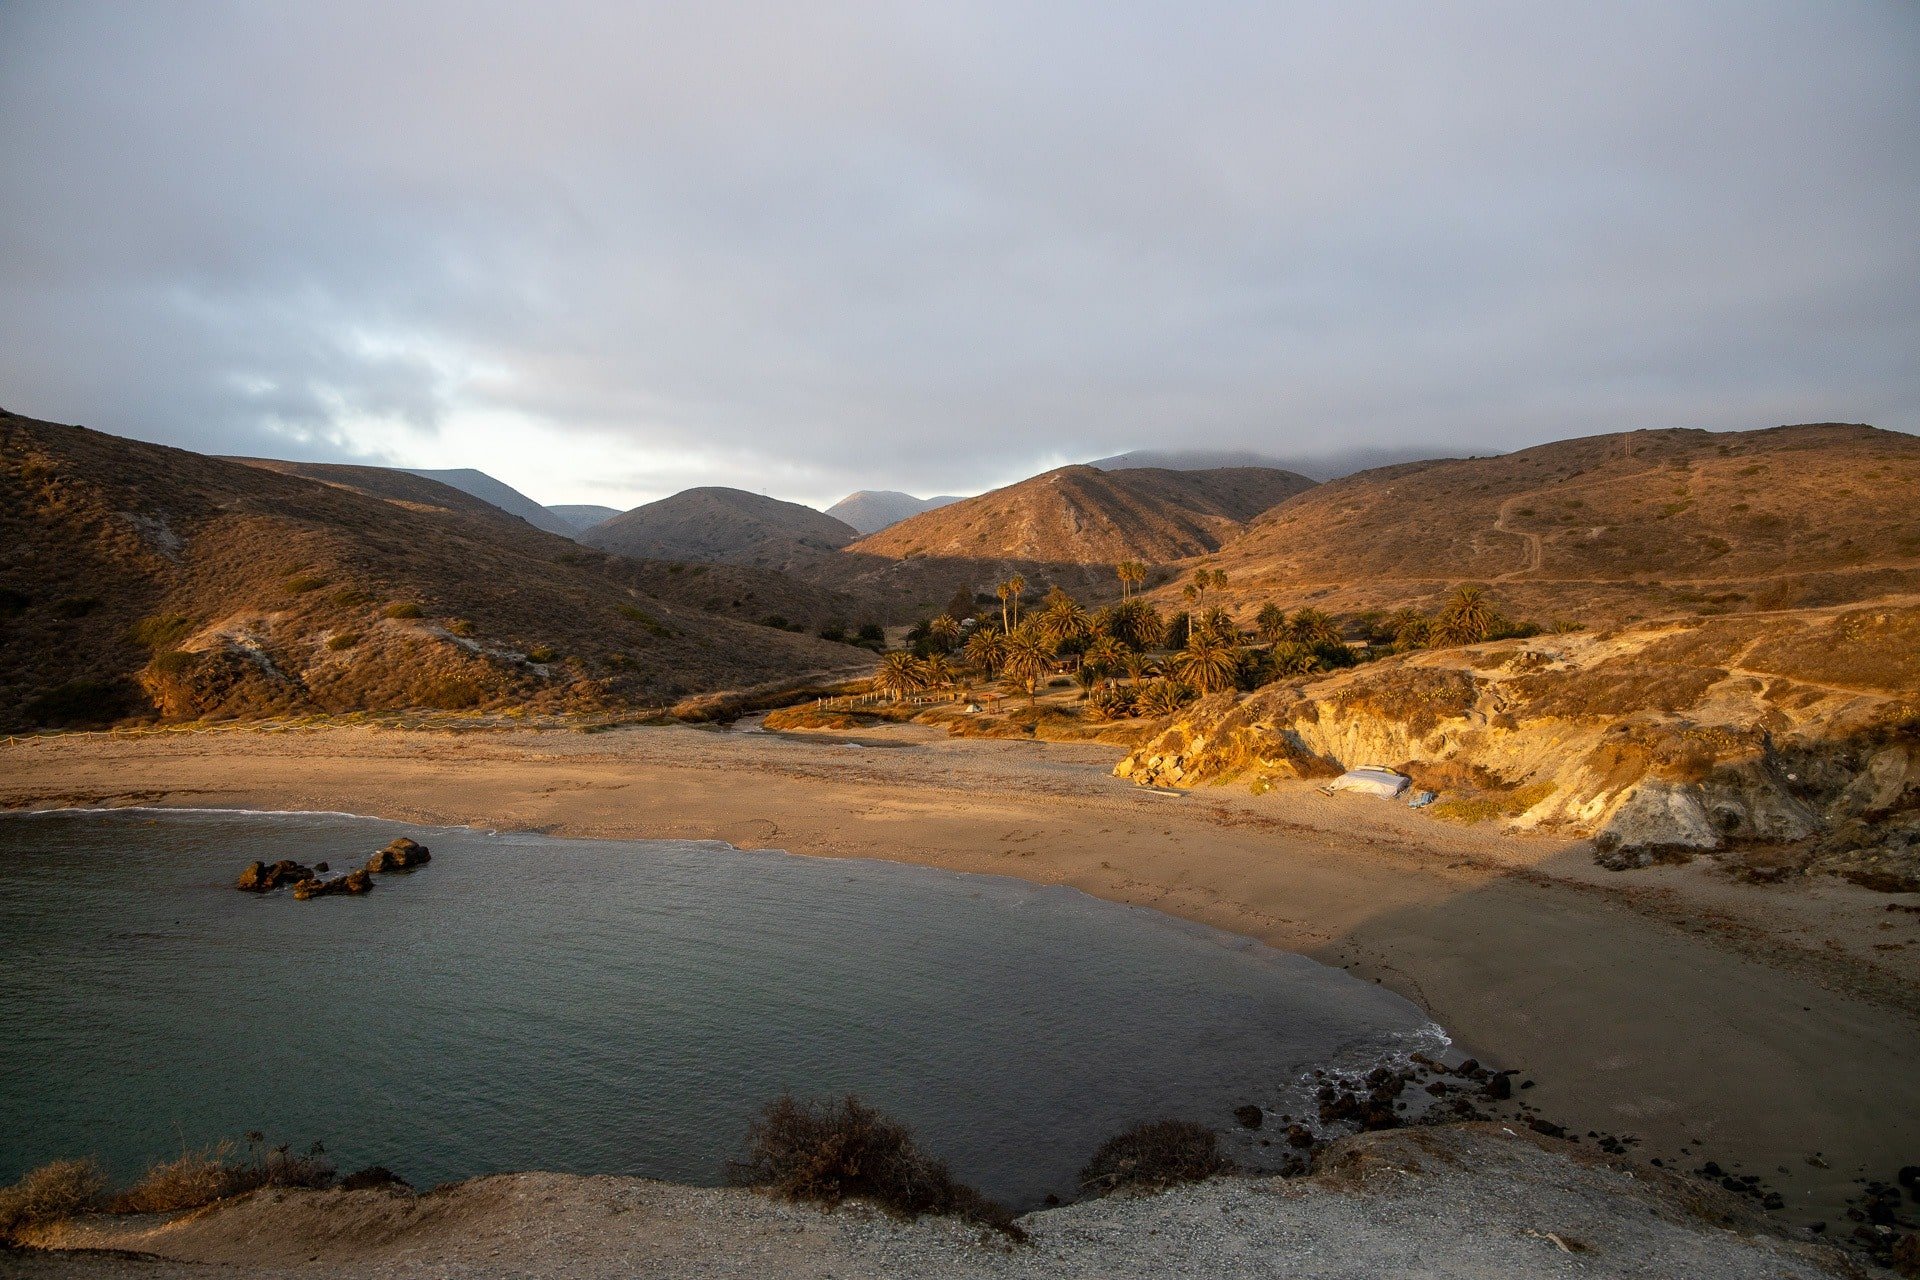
1607	528
724	526
140	581
1068	527
1080	515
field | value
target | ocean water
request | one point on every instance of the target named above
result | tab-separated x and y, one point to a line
527	1002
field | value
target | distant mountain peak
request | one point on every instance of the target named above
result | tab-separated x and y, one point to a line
871	510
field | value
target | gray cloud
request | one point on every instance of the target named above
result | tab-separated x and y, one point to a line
605	251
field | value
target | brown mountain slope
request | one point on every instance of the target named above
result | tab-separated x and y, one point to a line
1080	515
138	580
1642	524
402	488
726	526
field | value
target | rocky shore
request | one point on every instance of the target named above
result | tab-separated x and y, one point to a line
1486	1201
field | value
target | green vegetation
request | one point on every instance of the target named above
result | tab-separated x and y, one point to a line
82	702
174	662
161	631
404	609
542	654
461	627
76	606
301	583
1154	1156
831	1152
634	613
342	640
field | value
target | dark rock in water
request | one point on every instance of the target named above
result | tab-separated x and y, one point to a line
1546	1127
1250	1116
401	855
1909	1177
322	867
1298	1135
261	878
1499	1087
314	887
374	1176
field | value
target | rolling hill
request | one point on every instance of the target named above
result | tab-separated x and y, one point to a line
1081	515
584	515
871	510
1607	527
138	581
502	495
1315	466
724	526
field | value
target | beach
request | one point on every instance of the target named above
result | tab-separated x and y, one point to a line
1771	1029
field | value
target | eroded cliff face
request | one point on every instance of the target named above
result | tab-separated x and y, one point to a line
1775	730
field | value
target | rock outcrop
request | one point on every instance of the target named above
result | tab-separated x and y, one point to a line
259	877
354	882
401	855
1759	731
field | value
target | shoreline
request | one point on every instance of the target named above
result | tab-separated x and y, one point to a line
1664	1003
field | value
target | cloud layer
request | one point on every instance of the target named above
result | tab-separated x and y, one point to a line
608	251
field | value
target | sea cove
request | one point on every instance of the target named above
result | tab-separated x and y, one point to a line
528	1002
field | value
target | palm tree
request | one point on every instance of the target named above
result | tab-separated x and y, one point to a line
1063	619
1104	656
986	649
1208	663
1469	617
1132	574
938	672
1217	623
1163	698
1009	593
1411	628
1138	667
1271	621
899	674
1028	660
1310	627
943	631
1291	658
1134	623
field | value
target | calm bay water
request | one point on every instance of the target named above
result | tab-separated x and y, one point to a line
525	1002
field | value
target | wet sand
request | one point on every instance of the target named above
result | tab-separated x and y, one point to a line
1766	1022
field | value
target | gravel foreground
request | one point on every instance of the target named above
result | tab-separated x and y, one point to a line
1475	1201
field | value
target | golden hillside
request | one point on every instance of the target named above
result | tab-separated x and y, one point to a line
1643	524
142	581
724	526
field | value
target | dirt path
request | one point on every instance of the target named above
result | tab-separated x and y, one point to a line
1766	1022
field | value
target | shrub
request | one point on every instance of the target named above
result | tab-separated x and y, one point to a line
634	613
776	621
1154	1156
81	702
301	583
1163	697
342	640
404	609
76	606
161	631
831	1152
175	662
1113	702
12	602
211	1173
50	1193
542	653
461	627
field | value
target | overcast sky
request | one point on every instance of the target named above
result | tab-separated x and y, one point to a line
607	251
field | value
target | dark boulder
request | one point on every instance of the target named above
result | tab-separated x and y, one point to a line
1249	1116
372	1177
314	887
1298	1135
259	877
403	854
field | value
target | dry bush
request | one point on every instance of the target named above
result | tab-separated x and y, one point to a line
212	1173
829	1152
1154	1156
50	1193
405	609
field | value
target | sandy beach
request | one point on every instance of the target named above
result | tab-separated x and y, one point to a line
1762	1024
